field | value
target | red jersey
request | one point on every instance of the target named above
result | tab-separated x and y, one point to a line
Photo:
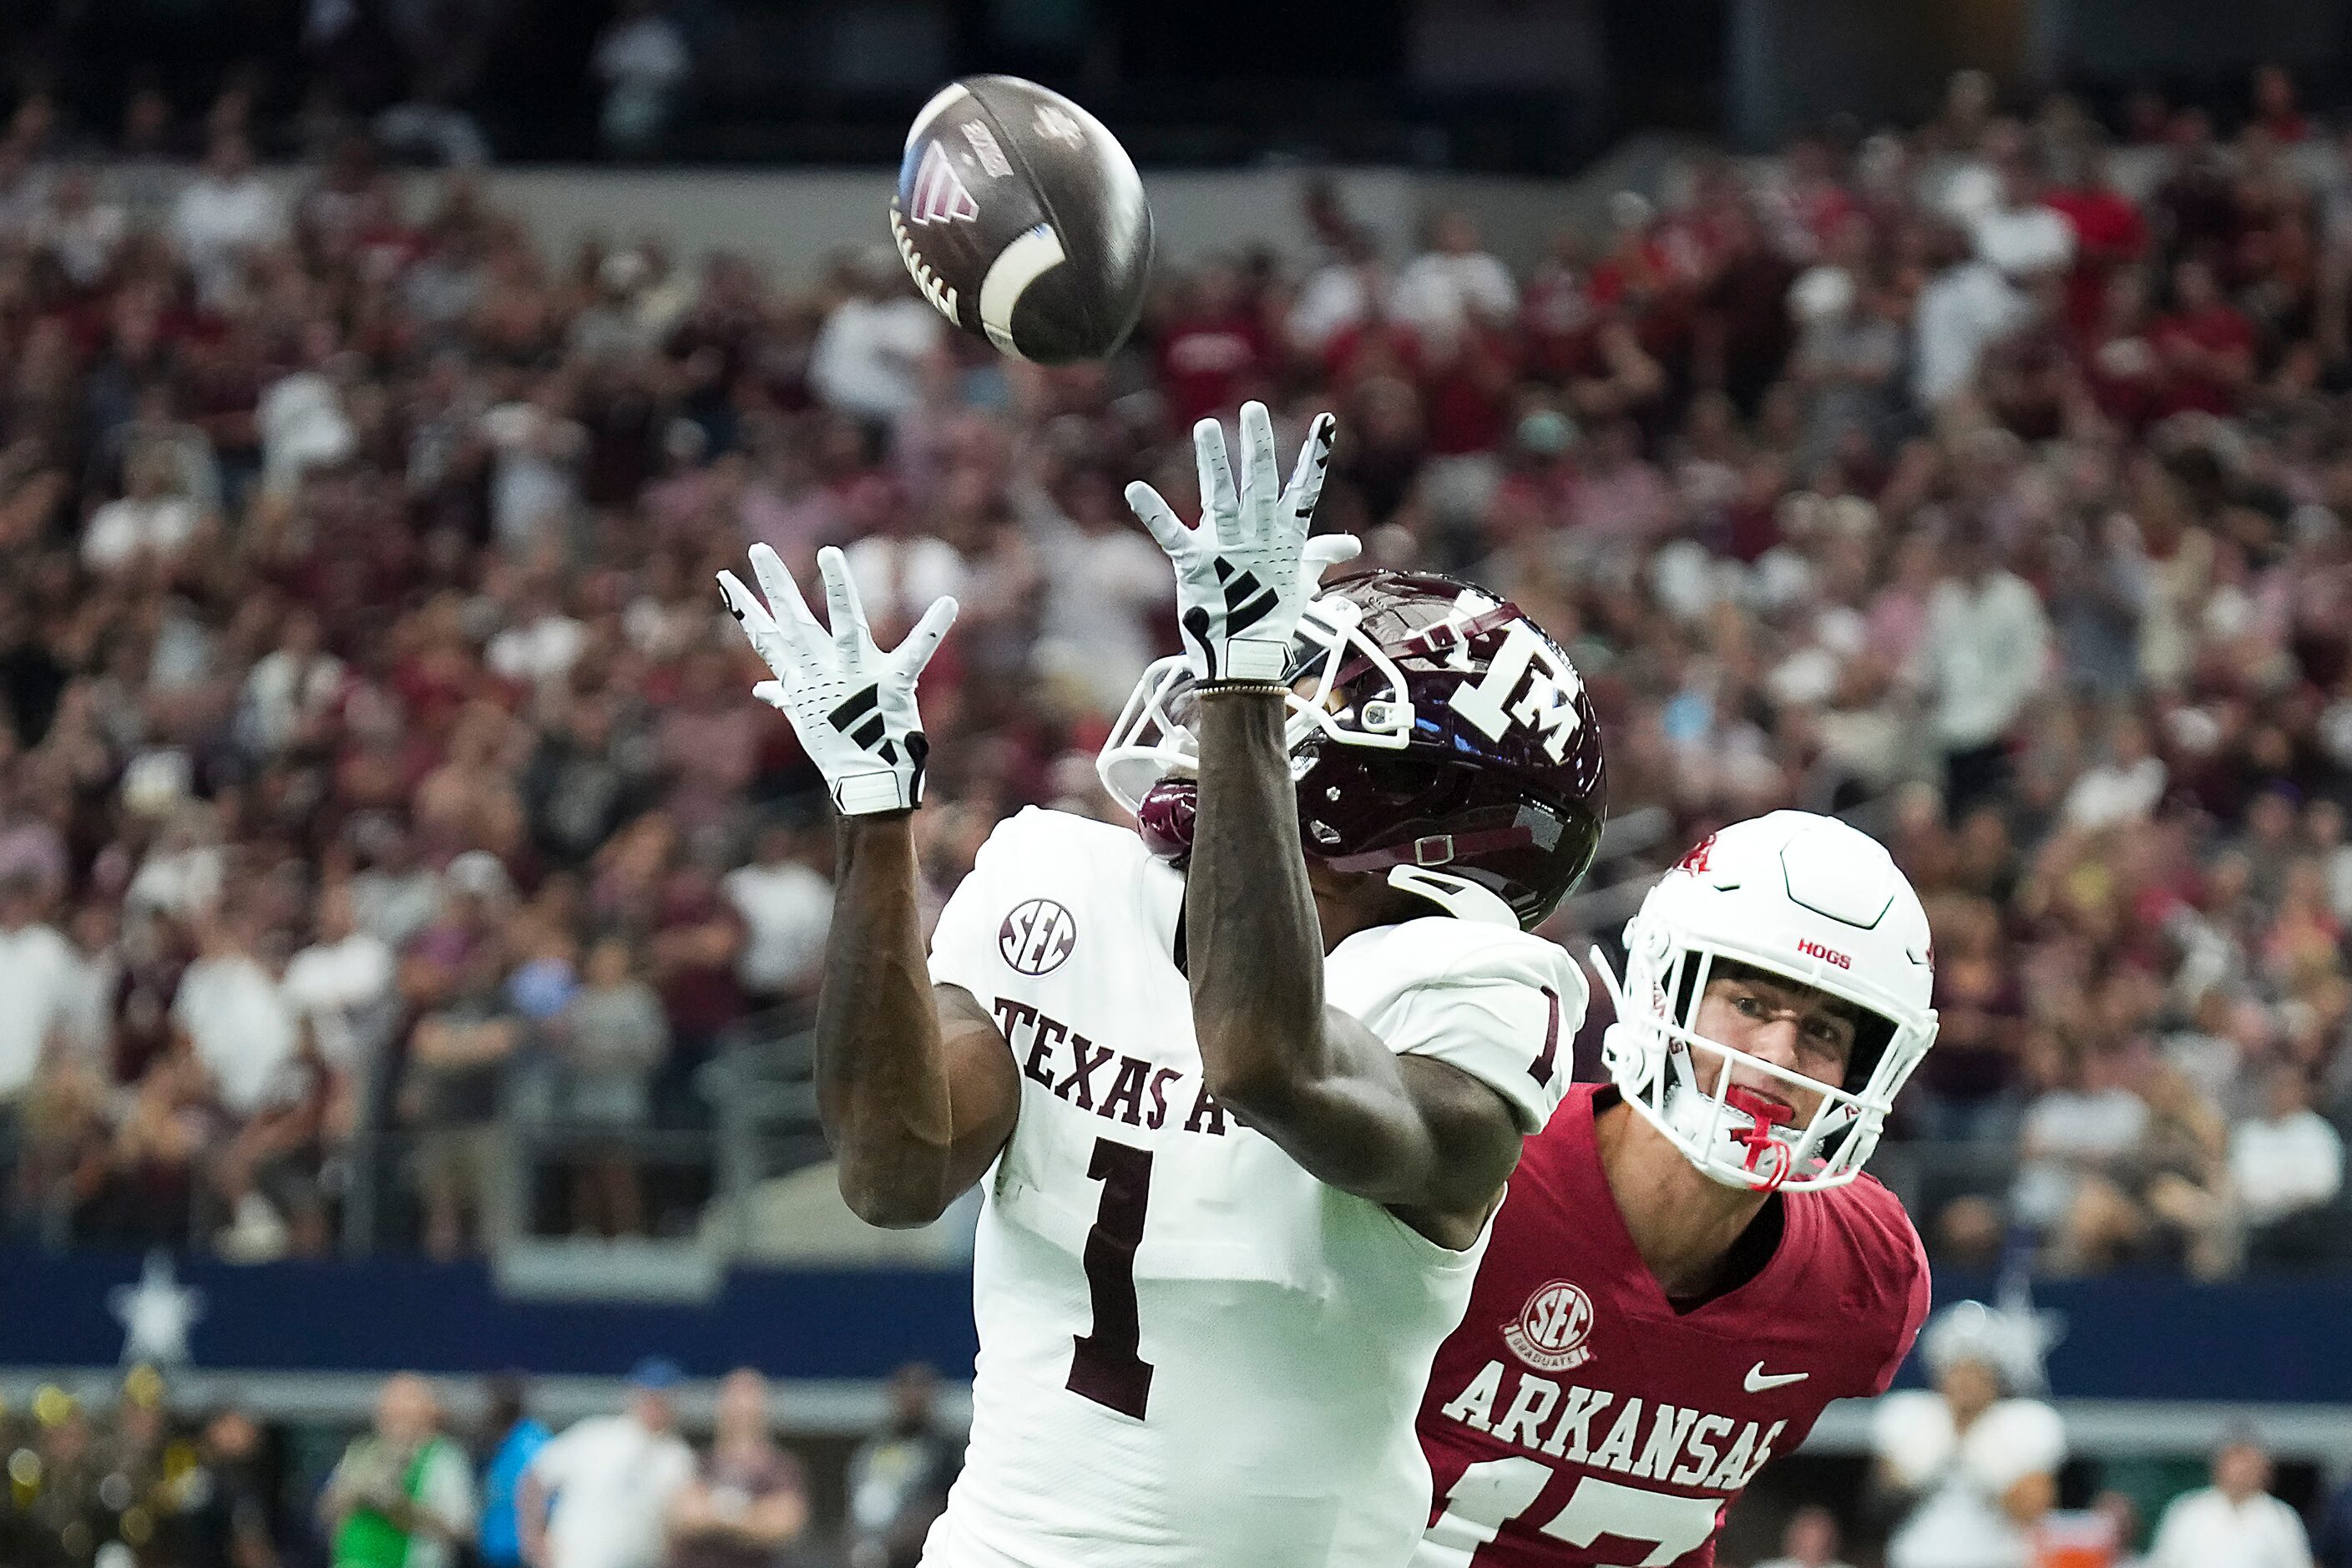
1576	1419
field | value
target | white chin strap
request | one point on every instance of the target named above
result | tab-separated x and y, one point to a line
1700	1120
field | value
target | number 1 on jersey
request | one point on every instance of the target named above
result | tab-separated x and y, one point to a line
1106	1366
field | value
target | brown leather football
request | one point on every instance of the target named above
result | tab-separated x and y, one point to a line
1022	219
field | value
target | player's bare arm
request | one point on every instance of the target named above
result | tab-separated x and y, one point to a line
1420	1137
1425	1139
915	1085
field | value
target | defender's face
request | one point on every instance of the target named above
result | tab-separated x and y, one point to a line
1790	1025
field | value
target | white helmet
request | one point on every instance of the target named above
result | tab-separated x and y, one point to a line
1812	901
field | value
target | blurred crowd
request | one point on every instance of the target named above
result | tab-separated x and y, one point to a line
378	773
140	1487
440	1475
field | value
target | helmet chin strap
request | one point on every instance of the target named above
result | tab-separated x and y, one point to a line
1457	896
1763	1115
1769	1163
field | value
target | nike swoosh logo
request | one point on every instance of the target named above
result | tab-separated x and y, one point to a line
1757	1383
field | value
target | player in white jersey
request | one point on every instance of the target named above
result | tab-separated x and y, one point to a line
1245	1089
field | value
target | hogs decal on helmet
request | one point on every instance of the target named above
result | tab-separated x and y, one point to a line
1430	725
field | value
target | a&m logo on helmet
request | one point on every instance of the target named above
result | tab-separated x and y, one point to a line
1526	683
1551	1329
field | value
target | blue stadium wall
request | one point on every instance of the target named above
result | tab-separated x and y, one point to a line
2278	1342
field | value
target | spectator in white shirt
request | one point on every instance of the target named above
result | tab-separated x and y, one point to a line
78	229
93	978
2286	1165
535	477
233	1016
597	1496
642	61
2073	1139
2020	251
868	356
787	907
1973	1460
1455	285
36	982
225	211
898	568
289	687
538	643
2027	240
301	419
397	895
1339	295
152	524
342	983
2124	787
2233	1523
1984	656
1104	592
181	874
1963	311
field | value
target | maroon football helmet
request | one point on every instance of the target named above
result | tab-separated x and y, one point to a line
1430	725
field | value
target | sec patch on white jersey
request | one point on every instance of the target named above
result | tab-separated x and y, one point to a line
1193	1354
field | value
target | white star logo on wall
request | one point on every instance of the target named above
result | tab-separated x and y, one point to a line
156	1314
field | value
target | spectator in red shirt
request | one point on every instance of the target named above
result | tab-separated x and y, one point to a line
1814	202
2128	379
1558	320
1465	385
1213	347
696	940
2110	232
2205	343
1620	496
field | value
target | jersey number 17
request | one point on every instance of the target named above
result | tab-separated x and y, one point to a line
1653	1528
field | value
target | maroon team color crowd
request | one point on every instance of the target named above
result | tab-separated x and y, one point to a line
377	754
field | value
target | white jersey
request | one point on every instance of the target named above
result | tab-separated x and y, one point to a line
1958	1521
1193	1354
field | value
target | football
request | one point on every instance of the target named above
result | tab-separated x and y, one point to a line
1021	219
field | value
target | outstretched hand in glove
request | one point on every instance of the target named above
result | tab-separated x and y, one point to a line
1244	575
852	705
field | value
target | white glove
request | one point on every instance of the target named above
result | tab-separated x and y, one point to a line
852	705
1245	574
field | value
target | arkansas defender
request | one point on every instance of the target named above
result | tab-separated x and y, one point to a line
1689	1264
